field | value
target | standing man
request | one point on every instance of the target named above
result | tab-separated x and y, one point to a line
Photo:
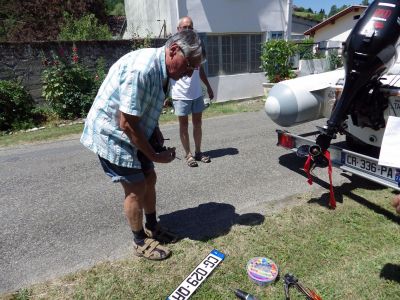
187	96
123	118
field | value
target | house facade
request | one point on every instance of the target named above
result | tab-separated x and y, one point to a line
232	32
299	26
331	33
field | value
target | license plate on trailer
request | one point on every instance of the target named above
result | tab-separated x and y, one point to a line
197	276
371	167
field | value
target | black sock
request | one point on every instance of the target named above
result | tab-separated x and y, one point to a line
151	221
139	236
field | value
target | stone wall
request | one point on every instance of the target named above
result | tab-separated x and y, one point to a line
24	61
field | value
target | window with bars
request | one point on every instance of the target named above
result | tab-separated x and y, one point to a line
233	53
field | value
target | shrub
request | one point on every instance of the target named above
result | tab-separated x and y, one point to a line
85	28
68	86
305	49
44	115
335	61
139	42
275	59
16	106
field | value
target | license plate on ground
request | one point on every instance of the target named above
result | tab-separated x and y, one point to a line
197	276
371	167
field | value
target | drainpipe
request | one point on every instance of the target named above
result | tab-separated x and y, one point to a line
288	18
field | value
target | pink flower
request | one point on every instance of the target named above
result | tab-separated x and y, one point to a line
61	52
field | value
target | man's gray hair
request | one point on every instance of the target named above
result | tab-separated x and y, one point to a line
188	41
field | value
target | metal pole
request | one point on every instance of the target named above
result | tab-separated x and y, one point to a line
288	18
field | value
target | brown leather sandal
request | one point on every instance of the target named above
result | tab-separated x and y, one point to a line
199	156
191	162
151	249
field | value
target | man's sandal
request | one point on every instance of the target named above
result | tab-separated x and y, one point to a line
161	234
151	249
191	162
199	156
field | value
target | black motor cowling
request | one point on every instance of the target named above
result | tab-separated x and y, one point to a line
369	51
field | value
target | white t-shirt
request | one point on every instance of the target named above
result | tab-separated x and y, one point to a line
187	88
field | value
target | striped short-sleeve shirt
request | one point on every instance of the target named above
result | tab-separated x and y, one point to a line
134	85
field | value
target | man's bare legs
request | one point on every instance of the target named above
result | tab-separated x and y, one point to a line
140	196
197	137
197	131
133	204
184	133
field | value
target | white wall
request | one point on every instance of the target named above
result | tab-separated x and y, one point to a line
142	16
235	15
335	31
217	16
239	86
213	16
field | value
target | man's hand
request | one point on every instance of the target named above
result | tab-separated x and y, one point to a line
159	136
396	203
165	156
210	93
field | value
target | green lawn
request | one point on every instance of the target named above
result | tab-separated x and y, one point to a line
348	253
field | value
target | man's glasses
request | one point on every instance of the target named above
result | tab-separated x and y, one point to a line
186	27
189	67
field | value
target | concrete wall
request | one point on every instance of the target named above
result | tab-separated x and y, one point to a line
240	86
147	18
210	16
313	66
23	61
237	16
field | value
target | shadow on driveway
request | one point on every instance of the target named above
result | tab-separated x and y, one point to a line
208	220
221	152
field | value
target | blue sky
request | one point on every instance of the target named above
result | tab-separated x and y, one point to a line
317	5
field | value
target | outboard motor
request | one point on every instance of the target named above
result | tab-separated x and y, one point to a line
369	51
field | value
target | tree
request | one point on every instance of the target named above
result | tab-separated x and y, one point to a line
333	11
365	2
39	20
115	7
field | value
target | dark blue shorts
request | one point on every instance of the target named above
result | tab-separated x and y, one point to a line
129	175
